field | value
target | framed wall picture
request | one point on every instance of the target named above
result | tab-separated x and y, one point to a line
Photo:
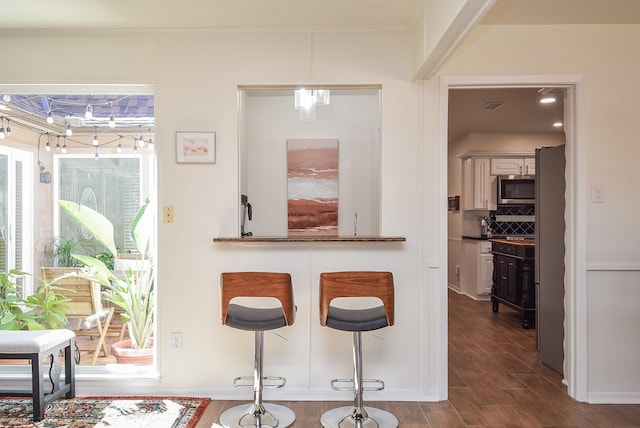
312	187
195	147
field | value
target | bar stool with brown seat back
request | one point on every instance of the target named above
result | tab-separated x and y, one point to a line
257	319
359	284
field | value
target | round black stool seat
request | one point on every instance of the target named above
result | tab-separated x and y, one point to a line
255	319
357	319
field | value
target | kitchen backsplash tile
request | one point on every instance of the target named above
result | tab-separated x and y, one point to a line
513	220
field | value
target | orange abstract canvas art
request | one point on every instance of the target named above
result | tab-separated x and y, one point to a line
312	186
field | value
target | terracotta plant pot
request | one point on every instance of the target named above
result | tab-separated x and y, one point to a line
125	354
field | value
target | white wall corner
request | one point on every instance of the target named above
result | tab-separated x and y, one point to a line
433	48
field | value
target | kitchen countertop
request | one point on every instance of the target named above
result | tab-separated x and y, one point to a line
528	242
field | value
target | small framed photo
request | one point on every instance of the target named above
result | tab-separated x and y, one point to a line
196	147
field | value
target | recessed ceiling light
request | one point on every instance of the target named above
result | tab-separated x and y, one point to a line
557	124
547	100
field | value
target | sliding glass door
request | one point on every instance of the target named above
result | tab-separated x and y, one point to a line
16	213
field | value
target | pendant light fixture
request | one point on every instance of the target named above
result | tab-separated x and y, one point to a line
321	97
306	101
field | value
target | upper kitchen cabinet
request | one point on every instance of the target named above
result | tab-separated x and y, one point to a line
513	166
480	191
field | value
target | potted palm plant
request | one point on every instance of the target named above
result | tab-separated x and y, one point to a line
45	309
131	290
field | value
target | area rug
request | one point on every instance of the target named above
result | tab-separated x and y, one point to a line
121	412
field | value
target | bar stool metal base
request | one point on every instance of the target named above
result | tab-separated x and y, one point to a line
246	415
343	417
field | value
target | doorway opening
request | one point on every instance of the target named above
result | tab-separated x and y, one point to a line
575	306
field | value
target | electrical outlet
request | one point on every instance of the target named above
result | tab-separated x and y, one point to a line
176	340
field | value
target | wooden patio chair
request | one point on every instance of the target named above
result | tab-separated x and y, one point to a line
87	316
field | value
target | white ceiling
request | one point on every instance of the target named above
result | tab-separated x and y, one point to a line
521	111
291	14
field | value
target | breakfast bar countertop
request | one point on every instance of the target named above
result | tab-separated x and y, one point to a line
308	239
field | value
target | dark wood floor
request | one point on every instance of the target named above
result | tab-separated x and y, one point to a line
494	380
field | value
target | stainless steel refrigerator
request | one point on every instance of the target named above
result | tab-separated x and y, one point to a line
549	262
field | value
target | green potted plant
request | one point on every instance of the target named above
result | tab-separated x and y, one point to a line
58	252
131	290
45	309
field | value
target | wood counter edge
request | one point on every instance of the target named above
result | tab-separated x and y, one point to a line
312	239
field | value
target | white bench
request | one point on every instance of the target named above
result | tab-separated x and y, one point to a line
35	345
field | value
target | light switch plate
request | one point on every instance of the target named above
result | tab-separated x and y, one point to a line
597	193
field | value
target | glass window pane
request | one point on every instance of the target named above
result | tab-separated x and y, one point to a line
111	186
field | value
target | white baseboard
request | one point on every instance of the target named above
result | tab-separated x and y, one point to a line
613	397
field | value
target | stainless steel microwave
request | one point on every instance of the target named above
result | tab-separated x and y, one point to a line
516	189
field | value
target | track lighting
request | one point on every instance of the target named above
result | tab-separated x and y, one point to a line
50	117
68	132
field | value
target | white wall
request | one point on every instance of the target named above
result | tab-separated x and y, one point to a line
195	76
601	55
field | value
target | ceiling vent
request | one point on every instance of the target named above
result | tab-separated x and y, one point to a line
492	105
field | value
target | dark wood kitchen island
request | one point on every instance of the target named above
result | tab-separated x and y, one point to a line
513	277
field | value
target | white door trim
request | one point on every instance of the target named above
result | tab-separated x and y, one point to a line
575	215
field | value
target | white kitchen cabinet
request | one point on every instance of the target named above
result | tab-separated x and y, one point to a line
477	268
530	166
513	166
485	268
480	191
